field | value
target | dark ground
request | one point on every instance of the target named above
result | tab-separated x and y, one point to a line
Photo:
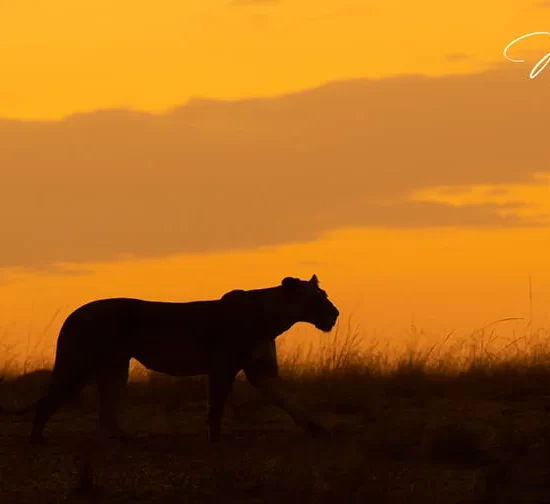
406	437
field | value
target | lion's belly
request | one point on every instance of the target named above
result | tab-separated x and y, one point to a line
176	357
174	364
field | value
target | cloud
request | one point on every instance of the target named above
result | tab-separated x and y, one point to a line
212	176
65	270
309	262
253	2
458	56
347	10
497	191
431	214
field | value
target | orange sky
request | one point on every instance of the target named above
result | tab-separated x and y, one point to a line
399	156
62	56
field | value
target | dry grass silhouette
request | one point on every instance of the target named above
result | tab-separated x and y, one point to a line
464	420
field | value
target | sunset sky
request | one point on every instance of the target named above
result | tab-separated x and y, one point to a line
176	150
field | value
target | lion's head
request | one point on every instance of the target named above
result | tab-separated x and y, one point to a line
310	302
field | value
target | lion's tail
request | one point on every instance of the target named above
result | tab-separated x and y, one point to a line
18	411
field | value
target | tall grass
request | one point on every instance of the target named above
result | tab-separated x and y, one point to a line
346	349
347	352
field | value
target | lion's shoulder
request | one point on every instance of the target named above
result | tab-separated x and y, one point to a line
233	295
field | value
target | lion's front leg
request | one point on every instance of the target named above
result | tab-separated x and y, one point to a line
262	372
273	389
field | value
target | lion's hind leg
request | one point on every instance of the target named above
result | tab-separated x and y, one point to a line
111	382
62	389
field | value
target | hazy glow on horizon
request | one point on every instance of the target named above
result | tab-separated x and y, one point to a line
369	249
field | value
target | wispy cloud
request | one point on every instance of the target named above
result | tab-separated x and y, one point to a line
347	10
457	56
253	2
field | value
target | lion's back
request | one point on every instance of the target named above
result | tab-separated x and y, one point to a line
106	310
97	325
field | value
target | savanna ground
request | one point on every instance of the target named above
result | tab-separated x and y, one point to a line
461	421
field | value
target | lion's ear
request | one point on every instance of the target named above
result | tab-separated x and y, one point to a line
290	283
314	280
